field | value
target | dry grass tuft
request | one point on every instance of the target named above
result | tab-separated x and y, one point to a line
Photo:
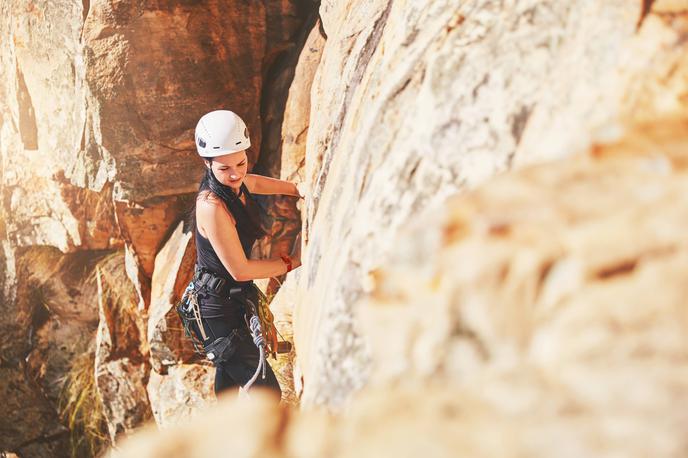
81	409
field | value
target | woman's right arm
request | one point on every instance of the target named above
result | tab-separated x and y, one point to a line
219	226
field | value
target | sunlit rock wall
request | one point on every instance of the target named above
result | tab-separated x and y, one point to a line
414	101
98	103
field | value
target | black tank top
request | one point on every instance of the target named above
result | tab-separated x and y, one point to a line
206	256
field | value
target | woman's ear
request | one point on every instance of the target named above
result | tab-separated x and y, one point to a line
207	163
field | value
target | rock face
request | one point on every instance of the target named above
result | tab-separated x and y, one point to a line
98	103
413	101
51	322
284	155
88	104
285	211
568	252
298	106
545	307
636	82
44	112
527	310
121	366
174	269
136	81
184	392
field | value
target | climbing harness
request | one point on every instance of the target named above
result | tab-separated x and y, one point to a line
259	321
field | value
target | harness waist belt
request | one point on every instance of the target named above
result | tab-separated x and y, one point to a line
215	283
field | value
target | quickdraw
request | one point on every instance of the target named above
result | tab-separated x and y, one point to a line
189	311
267	323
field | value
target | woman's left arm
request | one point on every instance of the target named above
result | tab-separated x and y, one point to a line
260	184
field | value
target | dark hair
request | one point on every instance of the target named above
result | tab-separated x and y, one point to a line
248	220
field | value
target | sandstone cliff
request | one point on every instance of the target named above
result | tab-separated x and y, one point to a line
98	103
415	101
492	234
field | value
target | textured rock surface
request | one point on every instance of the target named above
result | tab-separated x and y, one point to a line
31	423
51	322
635	82
185	391
136	81
557	272
284	155
527	310
173	271
144	227
98	102
44	110
121	360
86	112
393	107
285	211
298	106
413	101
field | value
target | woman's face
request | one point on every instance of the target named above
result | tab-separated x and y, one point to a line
230	169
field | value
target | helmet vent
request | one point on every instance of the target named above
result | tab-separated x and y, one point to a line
237	143
216	147
201	143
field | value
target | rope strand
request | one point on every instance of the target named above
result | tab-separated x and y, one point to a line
259	342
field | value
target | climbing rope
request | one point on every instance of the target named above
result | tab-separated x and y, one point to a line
259	342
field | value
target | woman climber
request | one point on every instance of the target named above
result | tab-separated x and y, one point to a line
225	310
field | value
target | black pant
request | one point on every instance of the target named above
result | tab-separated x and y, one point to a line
241	366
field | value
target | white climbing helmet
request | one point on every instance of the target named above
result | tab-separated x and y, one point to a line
221	132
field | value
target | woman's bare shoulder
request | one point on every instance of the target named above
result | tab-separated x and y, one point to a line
209	204
206	195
